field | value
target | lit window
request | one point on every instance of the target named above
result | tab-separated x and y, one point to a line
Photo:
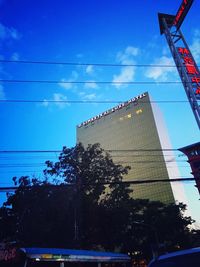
138	111
129	116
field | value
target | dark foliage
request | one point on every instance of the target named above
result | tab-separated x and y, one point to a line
81	203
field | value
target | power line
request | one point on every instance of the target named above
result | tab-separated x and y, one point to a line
38	164
146	181
84	101
183	177
56	157
28	151
86	64
142	150
23	172
138	156
45	62
89	82
110	150
36	170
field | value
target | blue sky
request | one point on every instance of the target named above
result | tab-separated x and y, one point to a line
89	31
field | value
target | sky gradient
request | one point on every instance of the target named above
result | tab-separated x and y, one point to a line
90	31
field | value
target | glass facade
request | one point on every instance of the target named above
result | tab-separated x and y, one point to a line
130	134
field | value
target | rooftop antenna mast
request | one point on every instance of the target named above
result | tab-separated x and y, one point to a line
185	63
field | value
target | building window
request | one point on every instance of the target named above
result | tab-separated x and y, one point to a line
138	111
128	116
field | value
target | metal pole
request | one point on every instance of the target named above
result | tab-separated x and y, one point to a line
155	251
181	68
77	211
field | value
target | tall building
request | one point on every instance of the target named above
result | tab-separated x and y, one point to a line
134	134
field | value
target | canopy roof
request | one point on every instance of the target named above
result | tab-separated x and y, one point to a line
56	254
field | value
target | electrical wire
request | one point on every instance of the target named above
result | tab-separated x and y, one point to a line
85	101
146	181
23	172
90	82
39	164
87	64
110	150
56	157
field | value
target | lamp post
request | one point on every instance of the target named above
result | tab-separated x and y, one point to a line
77	211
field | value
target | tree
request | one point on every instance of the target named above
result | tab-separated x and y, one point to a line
84	191
48	212
38	211
89	168
97	181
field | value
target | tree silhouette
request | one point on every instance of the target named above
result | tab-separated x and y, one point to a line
82	202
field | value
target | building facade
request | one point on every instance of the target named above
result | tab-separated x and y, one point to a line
134	134
193	153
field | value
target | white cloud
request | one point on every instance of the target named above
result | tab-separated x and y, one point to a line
2	32
79	55
15	56
1	65
74	75
89	69
195	47
91	85
127	73
126	57
86	96
68	83
160	73
14	34
2	93
90	96
45	103
8	33
60	97
56	97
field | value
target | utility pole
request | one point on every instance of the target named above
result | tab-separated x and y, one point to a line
77	211
155	244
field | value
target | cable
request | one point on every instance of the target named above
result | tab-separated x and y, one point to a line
138	156
59	151
87	64
142	150
10	158
40	172
56	157
88	82
85	101
39	164
28	151
147	181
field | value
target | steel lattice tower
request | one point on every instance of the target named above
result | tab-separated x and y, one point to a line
185	63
